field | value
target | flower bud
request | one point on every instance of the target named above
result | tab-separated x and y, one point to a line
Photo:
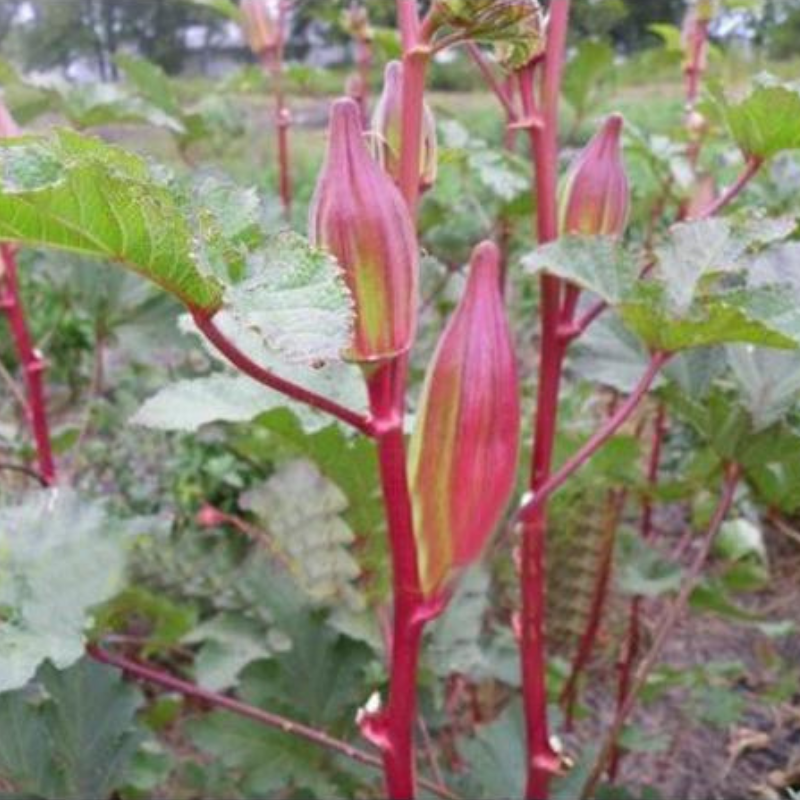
595	195
358	214
261	26
464	449
387	130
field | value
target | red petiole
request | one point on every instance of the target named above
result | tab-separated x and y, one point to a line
31	361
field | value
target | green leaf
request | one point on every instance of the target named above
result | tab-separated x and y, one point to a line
595	263
741	539
458	642
72	735
499	172
320	680
349	462
497	755
301	510
642	570
60	556
151	82
97	104
266	761
769	382
766	120
777	481
777	266
610	354
701	249
225	8
76	193
189	404
588	69
230	642
766	318
516	26
295	298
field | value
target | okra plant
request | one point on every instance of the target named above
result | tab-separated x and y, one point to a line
327	323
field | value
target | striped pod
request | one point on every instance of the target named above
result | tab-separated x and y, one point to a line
595	195
359	216
387	128
464	449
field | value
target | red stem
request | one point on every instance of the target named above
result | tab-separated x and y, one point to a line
697	57
542	760
158	677
272	61
393	728
31	361
664	630
476	54
556	480
396	734
243	363
751	168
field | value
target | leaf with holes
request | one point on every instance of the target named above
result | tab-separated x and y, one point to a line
295	298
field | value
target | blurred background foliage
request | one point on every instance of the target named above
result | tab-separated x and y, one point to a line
177	35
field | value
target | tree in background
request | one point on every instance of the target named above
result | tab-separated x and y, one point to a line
61	32
782	28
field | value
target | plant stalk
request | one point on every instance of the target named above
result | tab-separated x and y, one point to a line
542	760
665	628
397	721
31	362
158	677
556	480
393	727
205	323
272	62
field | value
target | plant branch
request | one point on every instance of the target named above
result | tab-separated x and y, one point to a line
30	360
392	729
156	676
598	439
242	362
751	168
542	760
499	91
664	630
272	63
23	470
